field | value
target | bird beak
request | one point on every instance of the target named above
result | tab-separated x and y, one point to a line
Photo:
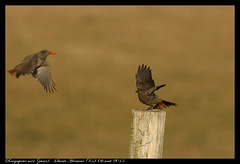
53	53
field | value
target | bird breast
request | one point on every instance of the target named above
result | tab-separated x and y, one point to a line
40	61
148	99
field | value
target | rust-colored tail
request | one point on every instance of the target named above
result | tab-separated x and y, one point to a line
13	72
163	104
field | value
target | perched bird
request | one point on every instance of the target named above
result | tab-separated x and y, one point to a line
146	88
36	65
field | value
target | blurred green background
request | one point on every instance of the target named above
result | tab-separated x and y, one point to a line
98	50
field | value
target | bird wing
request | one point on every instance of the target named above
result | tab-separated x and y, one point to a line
27	66
144	79
43	75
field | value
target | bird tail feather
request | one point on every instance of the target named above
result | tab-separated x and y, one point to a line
163	104
13	72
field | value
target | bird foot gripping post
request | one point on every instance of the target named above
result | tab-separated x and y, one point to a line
147	132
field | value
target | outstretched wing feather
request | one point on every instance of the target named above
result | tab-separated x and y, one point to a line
43	75
144	78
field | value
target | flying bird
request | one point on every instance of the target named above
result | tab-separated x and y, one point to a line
146	88
36	65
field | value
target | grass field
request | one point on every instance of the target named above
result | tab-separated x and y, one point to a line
98	50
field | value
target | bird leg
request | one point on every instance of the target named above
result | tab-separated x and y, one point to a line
150	108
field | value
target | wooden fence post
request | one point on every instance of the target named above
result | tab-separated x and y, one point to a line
147	131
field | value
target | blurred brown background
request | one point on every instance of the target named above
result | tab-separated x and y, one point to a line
98	50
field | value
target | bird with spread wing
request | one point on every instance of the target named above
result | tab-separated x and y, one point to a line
146	88
36	65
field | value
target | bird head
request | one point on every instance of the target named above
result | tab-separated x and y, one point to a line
45	53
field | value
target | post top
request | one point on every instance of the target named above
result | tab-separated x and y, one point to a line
148	110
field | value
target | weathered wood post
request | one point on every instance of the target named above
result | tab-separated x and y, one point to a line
147	131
